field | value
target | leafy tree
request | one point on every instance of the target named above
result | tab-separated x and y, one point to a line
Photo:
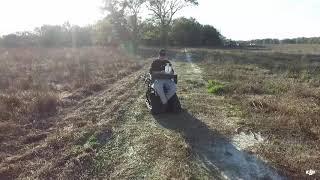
149	33
124	18
186	32
189	32
81	36
314	40
265	41
20	39
288	41
104	33
210	36
134	8
117	18
65	35
163	12
1	42
53	36
11	40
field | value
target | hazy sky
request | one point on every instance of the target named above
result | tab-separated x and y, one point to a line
236	19
19	15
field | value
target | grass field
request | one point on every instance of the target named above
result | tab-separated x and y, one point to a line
80	114
37	84
296	48
276	93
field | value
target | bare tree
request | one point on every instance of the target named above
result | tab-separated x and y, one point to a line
163	12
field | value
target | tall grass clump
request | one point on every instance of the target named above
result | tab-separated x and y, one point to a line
215	87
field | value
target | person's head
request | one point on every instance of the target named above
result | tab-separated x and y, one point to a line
162	54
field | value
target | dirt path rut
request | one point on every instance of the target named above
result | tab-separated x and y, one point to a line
218	153
187	145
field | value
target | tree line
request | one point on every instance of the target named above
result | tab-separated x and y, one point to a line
300	40
50	36
183	32
124	25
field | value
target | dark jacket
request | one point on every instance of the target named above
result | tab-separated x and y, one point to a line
159	65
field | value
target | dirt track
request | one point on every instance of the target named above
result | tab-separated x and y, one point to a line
112	135
215	150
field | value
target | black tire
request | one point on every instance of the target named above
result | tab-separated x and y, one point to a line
156	105
174	105
148	99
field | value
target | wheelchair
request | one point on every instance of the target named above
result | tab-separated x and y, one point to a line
153	100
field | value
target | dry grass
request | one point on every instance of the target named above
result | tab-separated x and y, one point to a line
61	69
296	48
37	84
49	129
34	80
144	150
280	97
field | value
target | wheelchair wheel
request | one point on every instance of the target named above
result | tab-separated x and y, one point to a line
174	105
148	99
154	103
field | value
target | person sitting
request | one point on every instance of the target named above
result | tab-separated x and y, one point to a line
165	88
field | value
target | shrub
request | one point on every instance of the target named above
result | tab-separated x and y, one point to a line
46	104
215	87
95	87
10	102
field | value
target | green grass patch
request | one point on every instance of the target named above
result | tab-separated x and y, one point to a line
215	87
92	142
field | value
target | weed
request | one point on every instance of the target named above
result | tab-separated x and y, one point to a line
92	142
215	87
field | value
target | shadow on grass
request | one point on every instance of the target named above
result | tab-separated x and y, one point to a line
215	151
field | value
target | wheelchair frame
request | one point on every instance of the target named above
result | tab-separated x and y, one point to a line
149	80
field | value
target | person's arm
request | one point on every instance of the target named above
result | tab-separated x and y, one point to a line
152	67
172	68
172	72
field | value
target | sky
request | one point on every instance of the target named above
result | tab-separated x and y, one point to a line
235	19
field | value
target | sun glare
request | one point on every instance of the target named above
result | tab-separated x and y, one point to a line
16	15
